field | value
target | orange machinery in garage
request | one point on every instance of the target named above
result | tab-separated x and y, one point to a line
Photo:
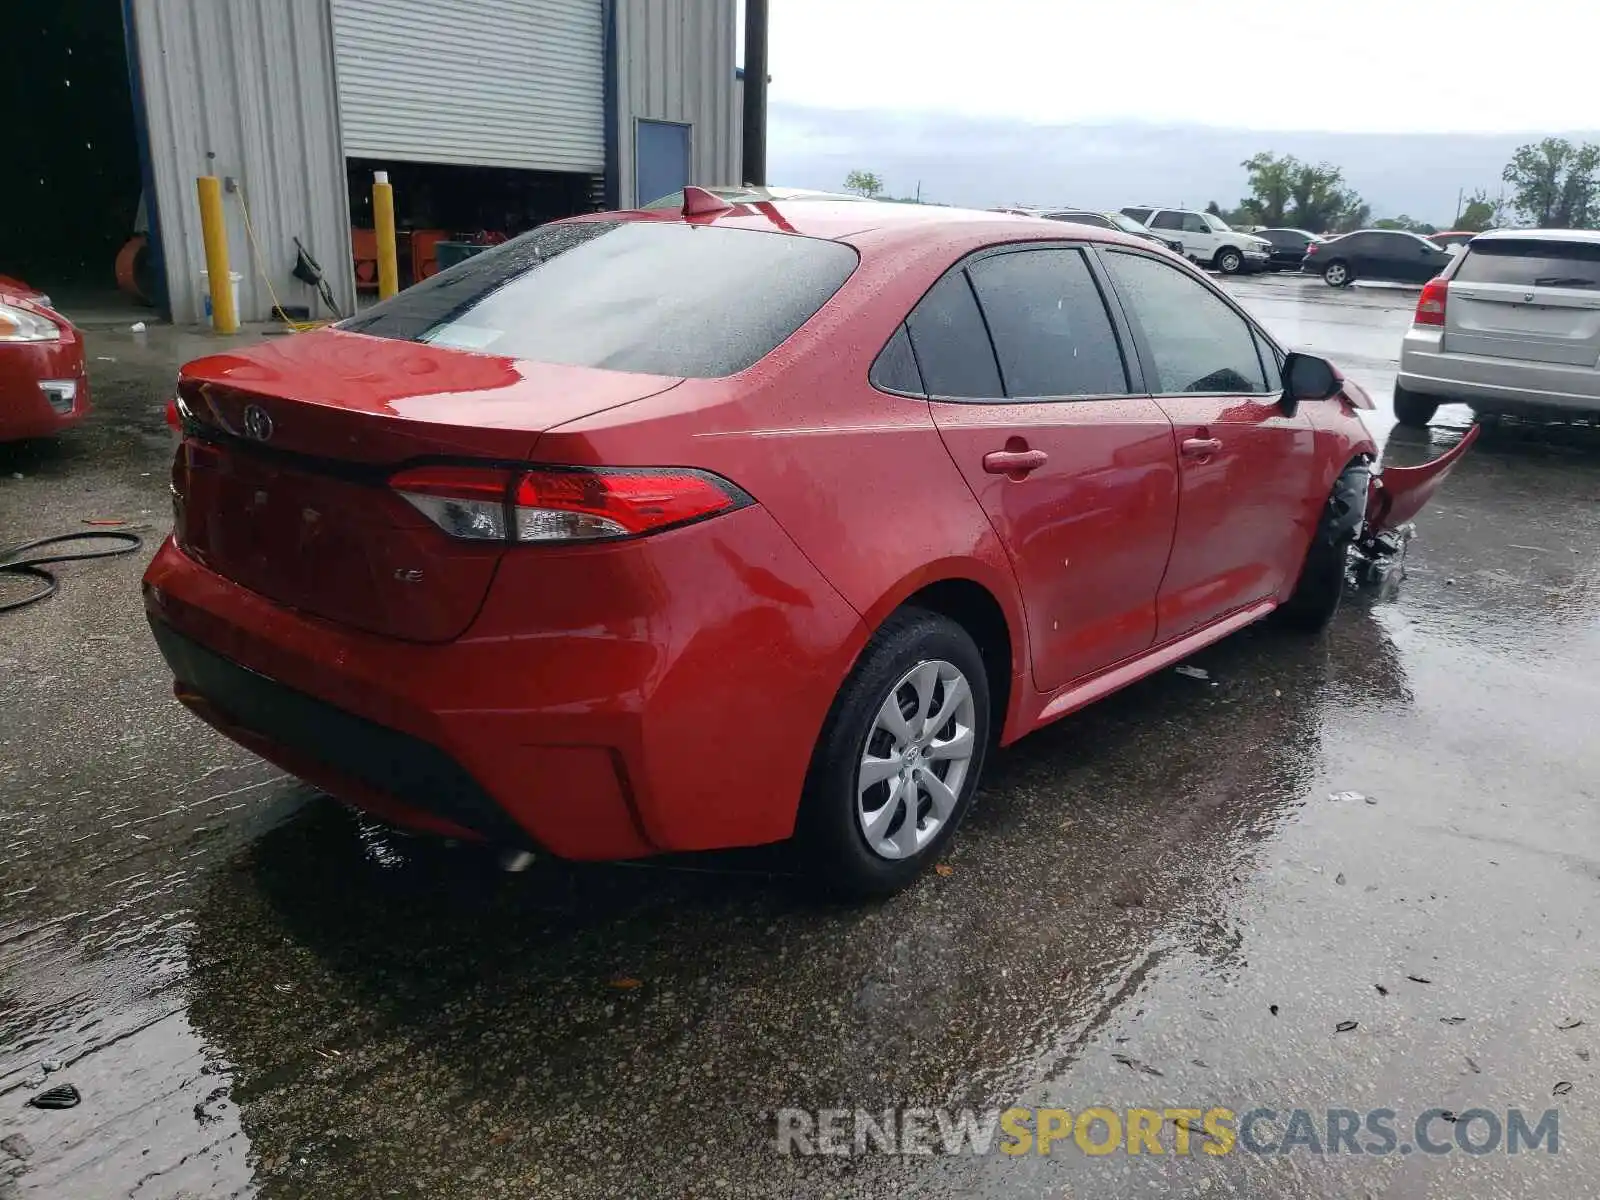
424	255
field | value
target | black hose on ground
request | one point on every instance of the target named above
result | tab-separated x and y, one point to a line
12	562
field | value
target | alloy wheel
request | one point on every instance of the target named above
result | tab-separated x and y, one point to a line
915	759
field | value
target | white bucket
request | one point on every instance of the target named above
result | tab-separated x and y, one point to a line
234	279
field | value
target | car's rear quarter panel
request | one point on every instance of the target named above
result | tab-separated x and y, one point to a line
860	479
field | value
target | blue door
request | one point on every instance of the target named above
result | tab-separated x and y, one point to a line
660	159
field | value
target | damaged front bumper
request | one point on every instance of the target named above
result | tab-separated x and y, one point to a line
1395	495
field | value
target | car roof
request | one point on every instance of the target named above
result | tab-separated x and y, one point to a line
864	224
1540	235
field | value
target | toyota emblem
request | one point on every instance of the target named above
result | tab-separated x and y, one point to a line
257	424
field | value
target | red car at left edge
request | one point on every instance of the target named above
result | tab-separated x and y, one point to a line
44	387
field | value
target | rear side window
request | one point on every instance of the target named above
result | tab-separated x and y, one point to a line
1049	324
1082	218
1531	262
655	297
1198	343
951	342
895	369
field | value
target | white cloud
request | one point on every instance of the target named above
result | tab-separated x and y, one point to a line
1358	66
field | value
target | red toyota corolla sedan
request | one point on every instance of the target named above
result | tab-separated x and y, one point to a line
43	385
670	531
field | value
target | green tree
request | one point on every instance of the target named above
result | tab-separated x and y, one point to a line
1479	213
1286	191
1406	223
1556	184
1268	177
863	183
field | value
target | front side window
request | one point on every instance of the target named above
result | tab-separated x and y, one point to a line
650	296
1052	333
1196	341
1216	223
1193	224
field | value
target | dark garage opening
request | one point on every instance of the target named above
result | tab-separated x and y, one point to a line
70	155
436	202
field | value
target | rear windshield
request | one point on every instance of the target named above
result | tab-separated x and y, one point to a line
654	297
1530	262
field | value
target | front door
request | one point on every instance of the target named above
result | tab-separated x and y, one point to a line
1246	470
1031	394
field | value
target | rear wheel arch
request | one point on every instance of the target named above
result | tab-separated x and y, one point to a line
975	608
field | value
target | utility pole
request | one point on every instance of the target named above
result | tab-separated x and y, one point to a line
755	92
1460	195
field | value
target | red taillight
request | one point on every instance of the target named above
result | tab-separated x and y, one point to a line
173	421
1431	304
555	504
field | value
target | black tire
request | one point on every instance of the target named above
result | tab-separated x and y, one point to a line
1320	588
1412	410
834	848
1339	270
1229	261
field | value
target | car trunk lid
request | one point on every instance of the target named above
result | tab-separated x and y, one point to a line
281	483
1533	299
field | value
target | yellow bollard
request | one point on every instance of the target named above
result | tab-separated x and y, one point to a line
383	226
214	232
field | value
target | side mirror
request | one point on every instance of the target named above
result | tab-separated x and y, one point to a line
1307	377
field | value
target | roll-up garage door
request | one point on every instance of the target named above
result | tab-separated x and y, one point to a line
503	83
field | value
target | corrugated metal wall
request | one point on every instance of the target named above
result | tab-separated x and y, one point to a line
675	62
253	82
500	83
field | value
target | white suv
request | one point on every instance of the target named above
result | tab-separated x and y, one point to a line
1207	239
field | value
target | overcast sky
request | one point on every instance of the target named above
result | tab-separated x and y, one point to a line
1368	66
1108	102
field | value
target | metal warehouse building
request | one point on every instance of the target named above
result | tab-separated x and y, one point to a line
489	116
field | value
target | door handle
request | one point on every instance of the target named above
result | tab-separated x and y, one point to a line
1201	447
1014	462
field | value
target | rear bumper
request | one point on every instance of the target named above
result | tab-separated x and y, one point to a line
26	410
673	708
1503	383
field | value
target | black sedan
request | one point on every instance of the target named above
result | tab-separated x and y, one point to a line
1111	220
1375	254
1288	247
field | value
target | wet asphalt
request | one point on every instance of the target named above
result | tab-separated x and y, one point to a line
1172	900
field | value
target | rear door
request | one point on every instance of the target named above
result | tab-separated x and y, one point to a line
1199	239
1077	474
1248	492
1170	224
1363	251
1534	299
